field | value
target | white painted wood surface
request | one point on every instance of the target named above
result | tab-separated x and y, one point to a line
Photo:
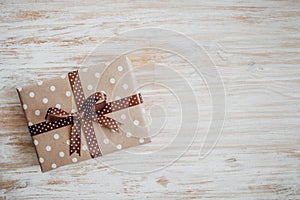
255	46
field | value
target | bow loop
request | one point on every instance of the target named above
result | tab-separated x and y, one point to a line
88	111
54	114
89	104
109	123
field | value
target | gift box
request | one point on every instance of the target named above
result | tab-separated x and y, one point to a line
84	114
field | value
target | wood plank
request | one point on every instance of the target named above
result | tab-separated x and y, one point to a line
255	46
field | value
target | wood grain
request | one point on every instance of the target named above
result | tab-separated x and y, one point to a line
255	46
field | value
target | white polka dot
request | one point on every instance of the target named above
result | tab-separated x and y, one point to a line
119	146
123	116
117	98
41	160
31	94
74	160
73	110
25	106
30	123
63	76
58	106
141	140
106	141
40	83
112	80
48	148
125	86
37	113
84	147
97	75
61	154
120	68
136	122
53	165
68	142
45	100
20	89
128	134
52	88
68	93
89	87
35	142
56	136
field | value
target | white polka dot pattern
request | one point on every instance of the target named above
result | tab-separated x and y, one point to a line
136	122
89	87
68	93
112	80
105	141
128	134
66	119
48	148
88	111
120	68
84	147
52	88
31	94
61	154
123	116
75	136
37	113
97	75
87	125
45	100
141	140
43	127
125	86
121	104
36	142
56	136
41	160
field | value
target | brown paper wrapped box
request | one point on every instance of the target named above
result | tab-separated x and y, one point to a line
53	147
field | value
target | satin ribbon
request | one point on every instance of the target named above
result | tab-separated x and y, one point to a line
89	111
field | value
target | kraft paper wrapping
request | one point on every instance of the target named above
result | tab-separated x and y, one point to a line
117	81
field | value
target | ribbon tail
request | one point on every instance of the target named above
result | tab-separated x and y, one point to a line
109	123
75	137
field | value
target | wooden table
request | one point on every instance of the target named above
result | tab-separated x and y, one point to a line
255	47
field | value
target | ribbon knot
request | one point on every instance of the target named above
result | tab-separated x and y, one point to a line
78	115
88	112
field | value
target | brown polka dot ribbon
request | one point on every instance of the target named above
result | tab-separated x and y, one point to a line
89	111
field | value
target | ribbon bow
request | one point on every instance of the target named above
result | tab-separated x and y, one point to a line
89	111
